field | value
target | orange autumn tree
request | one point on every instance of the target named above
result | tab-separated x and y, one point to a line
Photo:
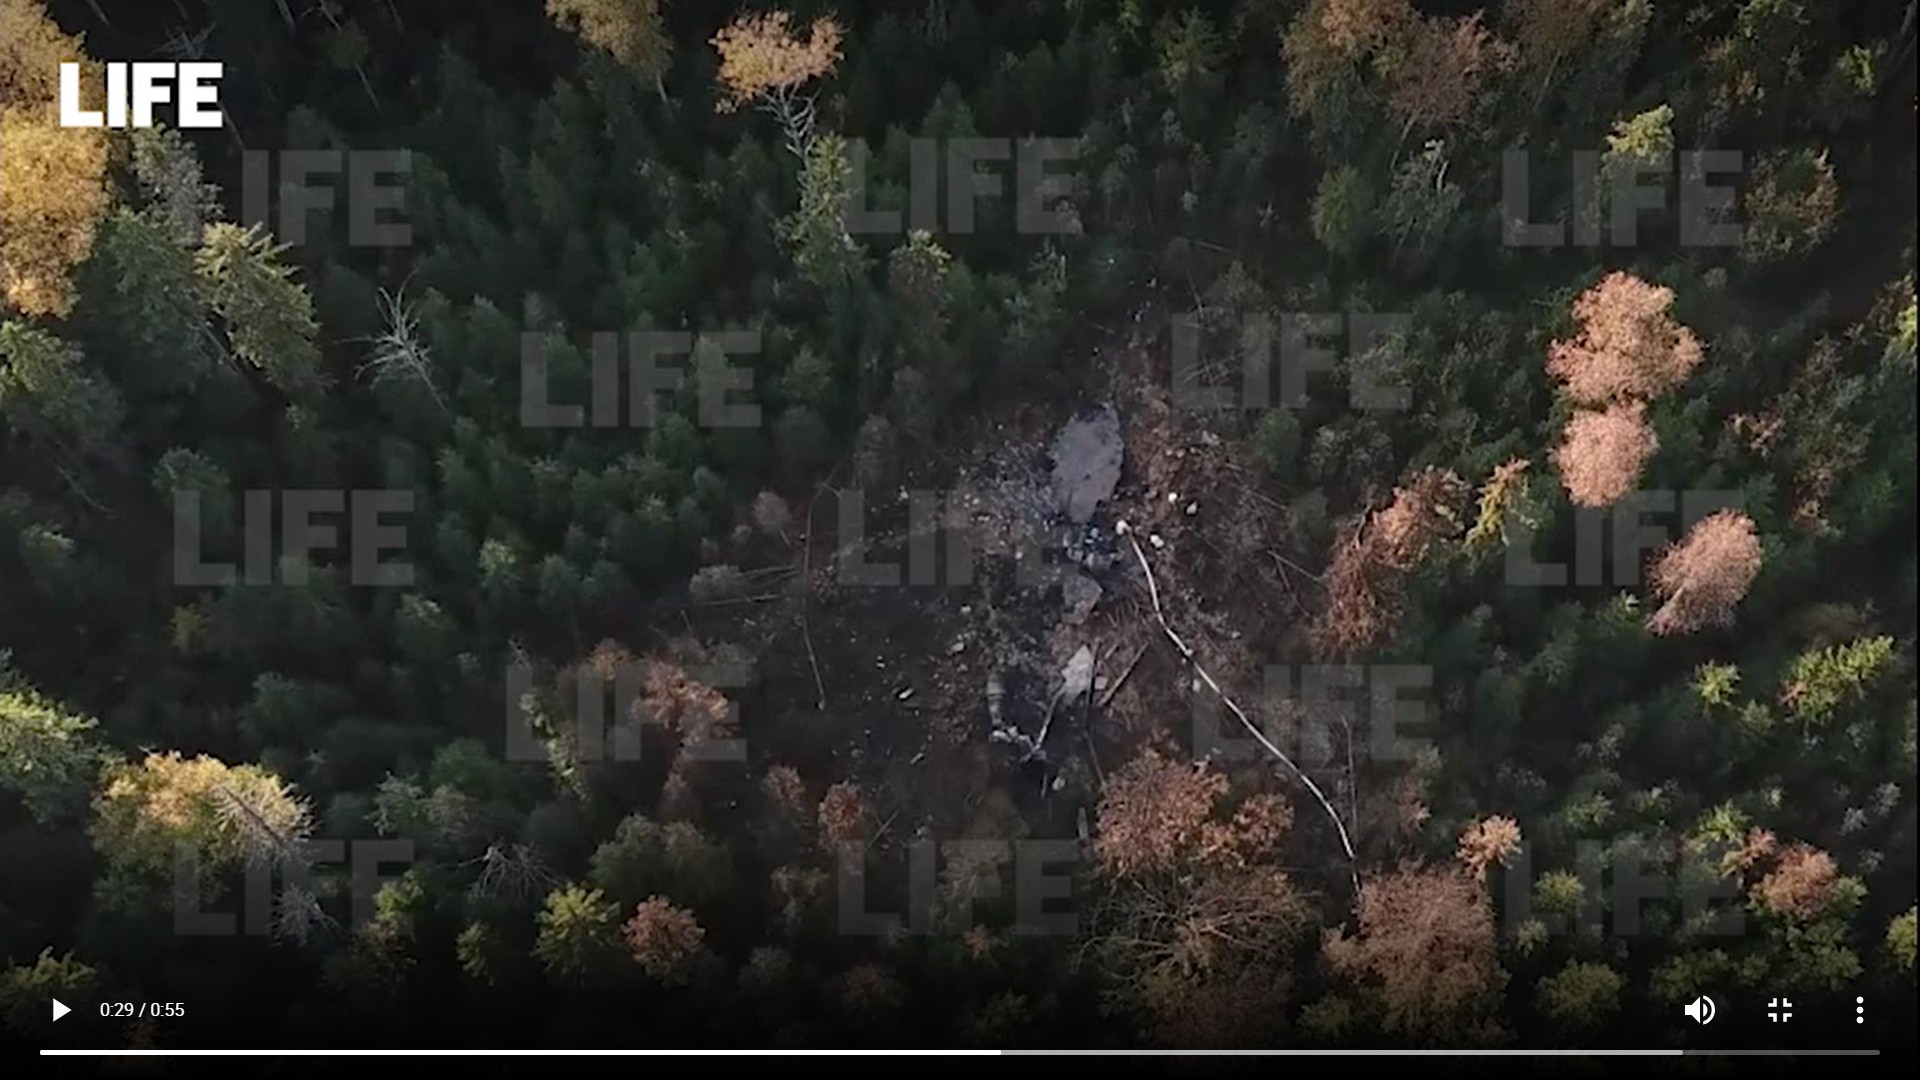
1424	511
1364	578
1797	882
786	812
1330	44
664	940
1432	71
1628	352
696	714
645	694
1425	952
54	177
1629	346
1358	27
1703	578
842	815
1757	848
763	63
1601	453
1802	885
1444	67
562	717
785	794
694	711
1488	841
1194	916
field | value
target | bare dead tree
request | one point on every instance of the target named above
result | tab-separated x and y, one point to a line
327	10
279	847
299	918
262	841
806	585
514	873
1903	49
182	45
398	354
794	109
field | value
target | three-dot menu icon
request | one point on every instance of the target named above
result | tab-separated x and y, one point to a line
1859	1010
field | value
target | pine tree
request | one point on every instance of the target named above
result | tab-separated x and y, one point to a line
48	756
579	934
269	316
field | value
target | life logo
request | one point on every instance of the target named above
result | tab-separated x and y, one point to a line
144	84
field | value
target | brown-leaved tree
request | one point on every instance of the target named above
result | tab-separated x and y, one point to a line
1702	579
664	940
1364	577
1601	453
1425	949
1629	346
1195	920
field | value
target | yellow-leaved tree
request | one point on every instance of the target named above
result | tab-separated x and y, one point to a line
54	177
157	819
763	63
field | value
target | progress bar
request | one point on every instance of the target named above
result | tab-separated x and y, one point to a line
960	1053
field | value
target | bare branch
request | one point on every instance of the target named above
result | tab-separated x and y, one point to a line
398	353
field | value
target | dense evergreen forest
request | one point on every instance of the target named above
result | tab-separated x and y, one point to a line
1605	524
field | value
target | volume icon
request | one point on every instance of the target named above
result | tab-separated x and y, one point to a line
1700	1010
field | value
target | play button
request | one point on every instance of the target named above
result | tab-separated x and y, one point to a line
59	1010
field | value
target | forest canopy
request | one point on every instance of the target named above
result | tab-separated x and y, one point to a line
1082	523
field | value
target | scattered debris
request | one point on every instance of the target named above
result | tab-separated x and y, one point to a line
1124	676
1093	549
1078	595
1087	459
1028	746
1077	676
